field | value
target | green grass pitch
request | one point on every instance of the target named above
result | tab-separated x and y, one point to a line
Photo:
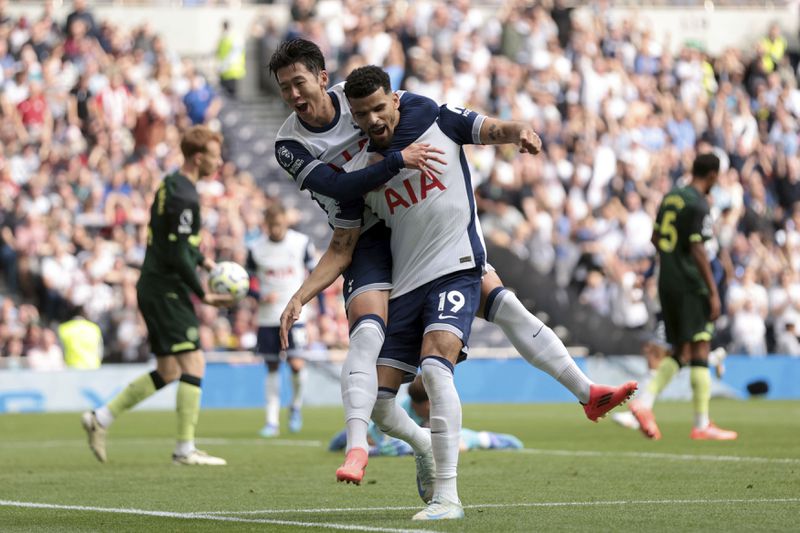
573	475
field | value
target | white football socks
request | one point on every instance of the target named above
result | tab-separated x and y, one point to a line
298	384
359	379
437	375
537	343
273	384
184	447
104	416
395	422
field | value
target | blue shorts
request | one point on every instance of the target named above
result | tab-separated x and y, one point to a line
371	266
268	342
448	303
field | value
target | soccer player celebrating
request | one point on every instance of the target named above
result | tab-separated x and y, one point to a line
317	139
280	259
168	278
438	254
689	299
312	145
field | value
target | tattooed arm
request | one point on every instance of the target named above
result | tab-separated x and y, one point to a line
331	265
496	131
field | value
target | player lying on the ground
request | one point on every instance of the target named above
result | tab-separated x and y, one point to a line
418	407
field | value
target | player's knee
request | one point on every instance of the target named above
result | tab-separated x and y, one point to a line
443	344
169	371
383	408
369	303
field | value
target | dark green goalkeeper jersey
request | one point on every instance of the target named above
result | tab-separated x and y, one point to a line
683	218
173	237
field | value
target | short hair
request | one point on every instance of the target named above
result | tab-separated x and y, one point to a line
274	210
416	391
364	81
196	138
297	51
705	164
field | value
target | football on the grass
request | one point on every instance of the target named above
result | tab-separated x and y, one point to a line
229	278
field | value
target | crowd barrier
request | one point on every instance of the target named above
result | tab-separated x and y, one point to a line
241	384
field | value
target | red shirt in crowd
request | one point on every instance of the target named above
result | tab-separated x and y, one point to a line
32	110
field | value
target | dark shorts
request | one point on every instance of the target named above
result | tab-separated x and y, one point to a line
686	317
268	342
172	326
448	303
371	266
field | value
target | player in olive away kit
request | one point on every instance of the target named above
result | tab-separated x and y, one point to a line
168	277
689	299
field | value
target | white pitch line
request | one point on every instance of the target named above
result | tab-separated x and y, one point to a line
656	455
201	516
510	505
122	441
316	444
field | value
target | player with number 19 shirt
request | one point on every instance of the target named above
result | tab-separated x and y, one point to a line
436	241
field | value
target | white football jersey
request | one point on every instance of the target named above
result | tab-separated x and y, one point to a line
433	218
280	268
300	148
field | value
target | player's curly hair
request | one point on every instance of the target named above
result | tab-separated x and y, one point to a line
297	51
364	81
417	392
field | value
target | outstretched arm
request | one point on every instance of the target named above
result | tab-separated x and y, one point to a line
331	265
496	131
318	177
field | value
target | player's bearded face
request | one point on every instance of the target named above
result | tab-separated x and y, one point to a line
377	115
302	90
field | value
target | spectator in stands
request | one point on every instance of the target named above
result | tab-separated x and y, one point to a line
201	103
82	342
231	58
45	354
118	99
80	12
773	47
787	341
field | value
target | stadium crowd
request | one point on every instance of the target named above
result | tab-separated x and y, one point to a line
622	116
91	114
90	120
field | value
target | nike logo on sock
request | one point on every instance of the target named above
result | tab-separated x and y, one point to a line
356	372
539	331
